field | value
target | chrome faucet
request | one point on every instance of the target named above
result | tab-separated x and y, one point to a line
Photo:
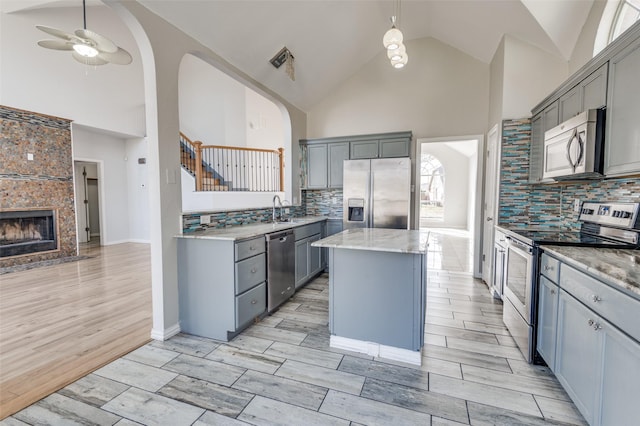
274	207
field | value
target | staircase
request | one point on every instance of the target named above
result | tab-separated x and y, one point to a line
187	160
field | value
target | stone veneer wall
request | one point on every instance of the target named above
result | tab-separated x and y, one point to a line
323	202
551	205
46	182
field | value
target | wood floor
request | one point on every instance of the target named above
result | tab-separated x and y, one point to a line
60	322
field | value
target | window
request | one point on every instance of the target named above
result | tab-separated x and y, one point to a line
431	188
627	14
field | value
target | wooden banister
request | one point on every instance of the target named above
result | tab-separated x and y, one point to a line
281	155
198	149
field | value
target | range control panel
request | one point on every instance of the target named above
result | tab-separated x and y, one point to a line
621	215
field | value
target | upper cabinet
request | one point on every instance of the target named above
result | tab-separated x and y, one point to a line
325	157
622	145
609	80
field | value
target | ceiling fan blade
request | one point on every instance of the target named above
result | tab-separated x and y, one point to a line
121	57
56	32
96	60
102	43
56	44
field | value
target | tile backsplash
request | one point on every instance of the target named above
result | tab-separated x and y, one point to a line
551	205
323	202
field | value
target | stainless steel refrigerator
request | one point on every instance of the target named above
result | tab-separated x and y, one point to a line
377	193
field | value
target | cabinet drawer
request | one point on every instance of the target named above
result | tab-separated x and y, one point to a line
248	248
307	230
550	267
616	307
251	304
250	272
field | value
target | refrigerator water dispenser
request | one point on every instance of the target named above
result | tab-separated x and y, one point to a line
356	209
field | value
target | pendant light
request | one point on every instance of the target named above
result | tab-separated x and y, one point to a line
392	41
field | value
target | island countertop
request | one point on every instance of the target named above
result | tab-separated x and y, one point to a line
378	239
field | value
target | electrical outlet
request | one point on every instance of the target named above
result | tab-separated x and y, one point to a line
576	205
205	219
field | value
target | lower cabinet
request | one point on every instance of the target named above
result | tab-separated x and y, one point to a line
309	260
590	346
221	285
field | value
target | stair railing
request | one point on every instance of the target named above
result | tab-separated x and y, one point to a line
227	168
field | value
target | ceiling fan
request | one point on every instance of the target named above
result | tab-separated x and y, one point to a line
87	47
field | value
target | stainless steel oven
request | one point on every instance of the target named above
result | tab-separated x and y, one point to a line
519	275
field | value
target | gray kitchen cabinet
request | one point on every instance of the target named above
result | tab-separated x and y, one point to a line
364	149
338	152
317	170
334	226
221	285
540	123
548	294
551	116
393	148
622	147
590	93
578	357
308	259
597	353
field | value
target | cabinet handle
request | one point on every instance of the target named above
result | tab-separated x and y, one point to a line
548	268
252	248
253	270
596	326
595	298
253	302
591	322
553	291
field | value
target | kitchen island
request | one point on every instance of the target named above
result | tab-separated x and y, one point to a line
377	291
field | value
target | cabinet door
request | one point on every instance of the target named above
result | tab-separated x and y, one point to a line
620	378
622	147
317	166
579	354
315	256
594	89
536	148
302	262
548	294
570	104
338	152
364	149
551	117
391	148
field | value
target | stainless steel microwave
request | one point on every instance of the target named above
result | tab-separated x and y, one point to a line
575	148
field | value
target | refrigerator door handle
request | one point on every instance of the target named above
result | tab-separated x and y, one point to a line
370	223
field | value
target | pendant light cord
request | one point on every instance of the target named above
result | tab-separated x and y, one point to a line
84	13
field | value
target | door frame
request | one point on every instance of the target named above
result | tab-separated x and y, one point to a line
490	219
101	208
479	199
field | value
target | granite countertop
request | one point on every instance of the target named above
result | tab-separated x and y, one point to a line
378	239
620	268
242	232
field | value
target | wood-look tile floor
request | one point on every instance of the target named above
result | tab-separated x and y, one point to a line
282	371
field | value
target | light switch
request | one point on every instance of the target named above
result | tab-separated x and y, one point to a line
29	156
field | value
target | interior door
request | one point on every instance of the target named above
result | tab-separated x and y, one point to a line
491	182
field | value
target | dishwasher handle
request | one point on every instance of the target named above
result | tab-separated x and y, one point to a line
281	236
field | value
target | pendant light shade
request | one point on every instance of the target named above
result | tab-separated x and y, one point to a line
85	50
392	39
397	54
400	63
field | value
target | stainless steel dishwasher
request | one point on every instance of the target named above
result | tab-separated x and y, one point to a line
280	268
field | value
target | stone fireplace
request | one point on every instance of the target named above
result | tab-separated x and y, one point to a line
37	213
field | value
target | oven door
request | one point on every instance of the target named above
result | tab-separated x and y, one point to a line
518	277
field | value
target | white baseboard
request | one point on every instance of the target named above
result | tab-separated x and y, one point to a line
112	243
165	334
376	350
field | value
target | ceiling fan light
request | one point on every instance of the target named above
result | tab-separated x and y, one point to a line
397	54
392	39
85	50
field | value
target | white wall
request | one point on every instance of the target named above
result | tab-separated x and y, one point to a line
51	82
457	170
441	92
111	151
264	123
496	86
530	74
583	51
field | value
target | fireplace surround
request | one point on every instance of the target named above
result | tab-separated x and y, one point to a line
27	231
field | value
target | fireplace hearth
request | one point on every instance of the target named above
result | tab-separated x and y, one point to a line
27	231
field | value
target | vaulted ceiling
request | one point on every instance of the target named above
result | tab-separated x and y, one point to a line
332	39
